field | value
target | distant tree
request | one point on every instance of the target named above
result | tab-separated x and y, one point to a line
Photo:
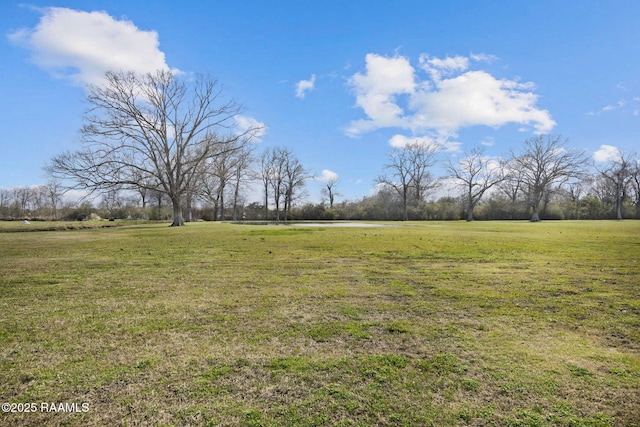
574	192
512	187
283	177
111	201
22	198
619	173
295	177
407	173
635	185
218	172
329	191
152	131
545	162
5	202
240	175
420	158
477	174
264	174
276	169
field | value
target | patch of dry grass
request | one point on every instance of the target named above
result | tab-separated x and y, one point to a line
497	323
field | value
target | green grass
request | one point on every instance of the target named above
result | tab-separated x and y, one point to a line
442	324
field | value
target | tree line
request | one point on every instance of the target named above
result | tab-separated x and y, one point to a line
161	146
541	180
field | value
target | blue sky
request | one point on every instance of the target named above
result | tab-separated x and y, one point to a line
338	82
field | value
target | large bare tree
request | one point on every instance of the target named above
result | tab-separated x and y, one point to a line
152	131
544	162
477	174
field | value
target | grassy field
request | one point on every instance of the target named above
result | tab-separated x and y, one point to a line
418	324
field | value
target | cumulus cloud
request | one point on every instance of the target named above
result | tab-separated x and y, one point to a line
327	176
305	85
377	91
443	96
81	46
246	123
606	153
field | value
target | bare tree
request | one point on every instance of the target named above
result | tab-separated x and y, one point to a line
282	176
619	173
153	132
221	167
111	201
278	160
224	174
421	157
21	200
477	174
240	175
407	173
635	185
329	190
545	162
5	202
264	173
512	186
295	176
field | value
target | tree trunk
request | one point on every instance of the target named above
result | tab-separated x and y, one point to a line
619	200
188	216
159	206
266	203
405	208
235	202
177	213
222	205
469	207
536	215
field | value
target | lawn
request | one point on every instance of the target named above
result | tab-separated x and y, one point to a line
415	324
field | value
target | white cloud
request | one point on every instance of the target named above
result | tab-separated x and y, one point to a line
401	141
488	141
327	176
606	153
449	97
621	103
81	46
376	92
611	107
477	98
244	123
483	57
305	85
437	67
